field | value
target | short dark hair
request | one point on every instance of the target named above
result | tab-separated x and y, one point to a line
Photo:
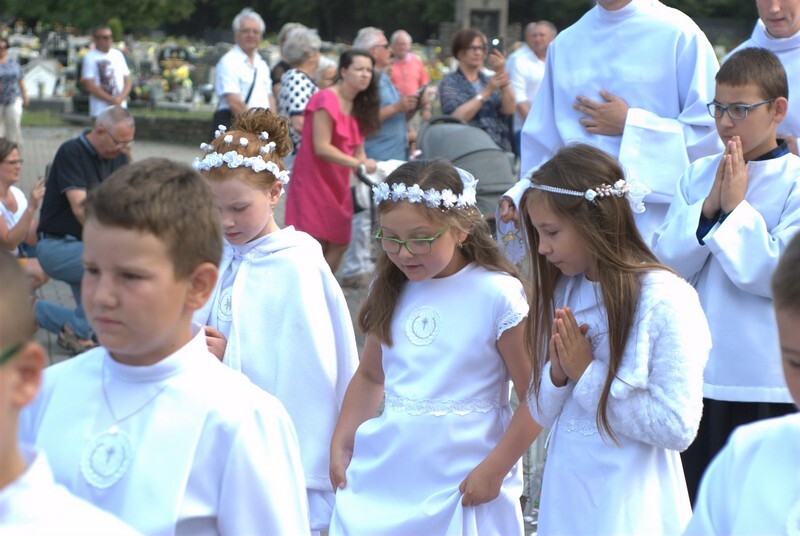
757	66
167	199
463	39
786	278
6	145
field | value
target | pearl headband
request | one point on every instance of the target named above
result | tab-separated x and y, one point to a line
634	191
233	159
433	198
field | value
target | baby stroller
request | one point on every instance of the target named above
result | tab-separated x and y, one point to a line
473	150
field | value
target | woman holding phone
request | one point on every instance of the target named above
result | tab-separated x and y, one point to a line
473	96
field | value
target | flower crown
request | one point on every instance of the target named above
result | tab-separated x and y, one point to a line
233	159
445	199
633	190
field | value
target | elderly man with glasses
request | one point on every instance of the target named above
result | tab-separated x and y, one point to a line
105	73
242	76
80	164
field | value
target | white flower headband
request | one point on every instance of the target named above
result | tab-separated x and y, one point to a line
233	159
445	199
634	191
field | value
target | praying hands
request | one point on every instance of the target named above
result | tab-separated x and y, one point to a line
730	183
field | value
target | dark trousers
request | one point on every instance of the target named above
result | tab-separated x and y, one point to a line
718	421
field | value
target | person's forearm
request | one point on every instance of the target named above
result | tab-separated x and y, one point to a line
524	108
235	103
388	111
97	91
330	153
508	104
126	89
470	109
13	237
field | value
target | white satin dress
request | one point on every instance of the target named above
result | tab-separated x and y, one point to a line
446	407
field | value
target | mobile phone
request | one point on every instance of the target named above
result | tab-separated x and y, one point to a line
497	43
420	93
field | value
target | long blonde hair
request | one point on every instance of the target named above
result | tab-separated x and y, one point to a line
617	251
375	316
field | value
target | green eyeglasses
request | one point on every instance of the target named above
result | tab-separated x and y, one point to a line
8	353
415	246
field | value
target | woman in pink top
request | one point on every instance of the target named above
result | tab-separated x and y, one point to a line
336	120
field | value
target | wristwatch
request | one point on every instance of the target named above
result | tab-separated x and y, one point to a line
479	97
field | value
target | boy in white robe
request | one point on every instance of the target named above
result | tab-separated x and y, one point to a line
151	426
631	77
30	500
752	486
730	220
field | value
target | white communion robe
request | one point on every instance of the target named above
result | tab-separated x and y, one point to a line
661	64
752	486
35	504
788	51
291	333
210	453
732	272
591	485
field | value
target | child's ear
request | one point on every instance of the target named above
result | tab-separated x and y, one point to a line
781	109
201	285
27	367
275	192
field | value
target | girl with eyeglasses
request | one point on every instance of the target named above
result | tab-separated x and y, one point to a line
444	325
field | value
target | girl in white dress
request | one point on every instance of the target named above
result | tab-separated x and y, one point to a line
277	313
443	320
619	345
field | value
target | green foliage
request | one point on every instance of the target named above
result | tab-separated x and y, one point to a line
87	13
116	28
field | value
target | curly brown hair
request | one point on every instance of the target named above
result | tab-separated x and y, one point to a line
250	125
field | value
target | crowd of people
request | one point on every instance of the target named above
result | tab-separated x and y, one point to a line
652	331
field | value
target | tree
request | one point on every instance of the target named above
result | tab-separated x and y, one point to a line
88	13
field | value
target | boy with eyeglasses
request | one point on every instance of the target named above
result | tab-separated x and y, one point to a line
31	502
730	220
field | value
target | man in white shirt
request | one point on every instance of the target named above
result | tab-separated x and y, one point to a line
526	70
778	30
242	76
105	73
633	78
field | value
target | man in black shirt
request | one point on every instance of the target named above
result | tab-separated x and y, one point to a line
80	164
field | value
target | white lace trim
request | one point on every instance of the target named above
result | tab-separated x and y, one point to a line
508	321
415	406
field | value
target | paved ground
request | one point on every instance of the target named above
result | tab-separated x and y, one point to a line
39	147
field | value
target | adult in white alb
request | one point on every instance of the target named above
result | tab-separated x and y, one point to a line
242	76
526	70
633	78
778	30
105	73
